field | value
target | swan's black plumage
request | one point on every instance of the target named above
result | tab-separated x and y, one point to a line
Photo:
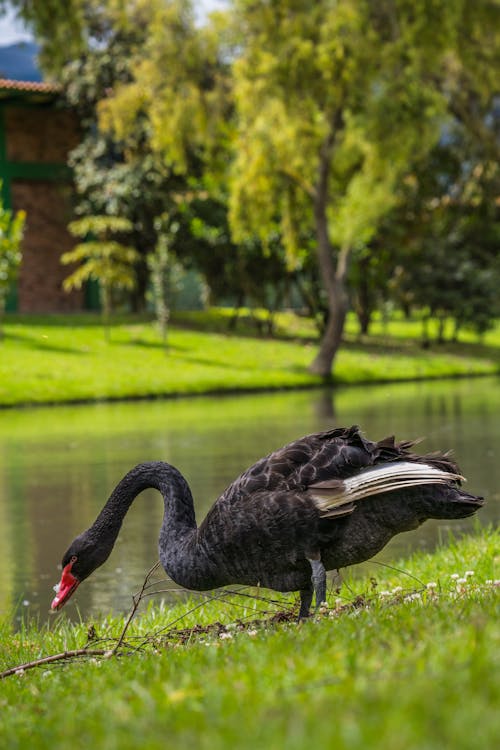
302	509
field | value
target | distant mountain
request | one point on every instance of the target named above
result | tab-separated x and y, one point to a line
18	62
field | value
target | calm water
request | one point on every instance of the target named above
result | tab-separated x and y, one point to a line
57	467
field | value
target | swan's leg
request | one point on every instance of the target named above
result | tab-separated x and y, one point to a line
319	581
306	596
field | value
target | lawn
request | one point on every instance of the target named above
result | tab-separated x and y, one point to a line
54	359
402	660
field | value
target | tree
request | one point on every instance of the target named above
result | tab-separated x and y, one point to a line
160	266
450	268
143	92
335	101
103	259
179	85
117	177
11	235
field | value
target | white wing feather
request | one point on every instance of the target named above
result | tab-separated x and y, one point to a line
333	494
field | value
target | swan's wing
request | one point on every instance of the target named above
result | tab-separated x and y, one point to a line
322	461
313	458
331	496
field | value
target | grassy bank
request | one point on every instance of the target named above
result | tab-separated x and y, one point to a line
55	359
401	661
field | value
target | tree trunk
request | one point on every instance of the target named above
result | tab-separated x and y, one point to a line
364	298
333	276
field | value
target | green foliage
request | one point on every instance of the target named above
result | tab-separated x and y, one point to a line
178	82
108	262
121	168
11	235
335	103
115	178
103	259
443	237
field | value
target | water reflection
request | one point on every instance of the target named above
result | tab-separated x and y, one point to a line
57	467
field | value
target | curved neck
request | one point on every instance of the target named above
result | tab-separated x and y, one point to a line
179	521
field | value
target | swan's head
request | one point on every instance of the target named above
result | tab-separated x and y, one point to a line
80	560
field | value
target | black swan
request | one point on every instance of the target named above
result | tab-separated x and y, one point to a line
320	503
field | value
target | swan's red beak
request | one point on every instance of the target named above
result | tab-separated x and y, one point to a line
64	590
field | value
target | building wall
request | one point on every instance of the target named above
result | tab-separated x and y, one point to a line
47	205
37	140
40	134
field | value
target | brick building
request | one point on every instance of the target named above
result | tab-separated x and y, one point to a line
36	134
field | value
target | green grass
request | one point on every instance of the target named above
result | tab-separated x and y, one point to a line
400	672
55	359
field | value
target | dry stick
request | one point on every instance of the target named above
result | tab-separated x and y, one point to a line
49	659
136	601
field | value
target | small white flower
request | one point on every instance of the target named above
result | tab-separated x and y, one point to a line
432	585
469	573
338	602
223	636
252	633
383	594
397	589
412	597
489	582
25	603
461	581
454	576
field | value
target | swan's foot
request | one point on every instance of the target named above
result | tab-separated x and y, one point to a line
306	596
319	581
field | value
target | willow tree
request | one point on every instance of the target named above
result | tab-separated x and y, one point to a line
179	85
334	102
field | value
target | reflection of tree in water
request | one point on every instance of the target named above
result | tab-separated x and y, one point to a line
324	406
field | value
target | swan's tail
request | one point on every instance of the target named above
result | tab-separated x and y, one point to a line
336	497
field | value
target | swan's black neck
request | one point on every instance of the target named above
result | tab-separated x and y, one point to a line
177	544
157	475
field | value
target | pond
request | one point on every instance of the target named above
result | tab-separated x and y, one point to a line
58	465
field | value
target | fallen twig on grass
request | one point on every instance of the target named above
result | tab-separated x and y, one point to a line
21	668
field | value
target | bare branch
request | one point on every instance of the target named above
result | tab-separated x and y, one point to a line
21	668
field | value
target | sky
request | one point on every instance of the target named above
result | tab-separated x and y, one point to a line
12	30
